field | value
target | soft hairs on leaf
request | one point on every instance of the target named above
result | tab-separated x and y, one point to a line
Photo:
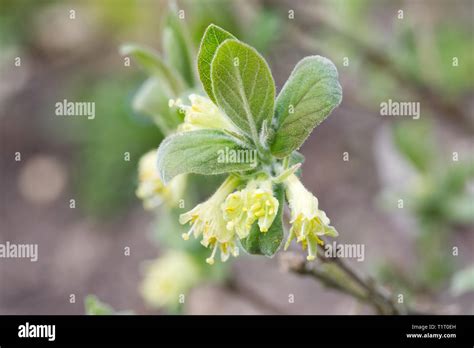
243	86
199	152
307	98
212	38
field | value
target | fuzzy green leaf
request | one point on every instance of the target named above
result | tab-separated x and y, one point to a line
243	86
154	65
307	98
212	38
267	243
152	100
201	152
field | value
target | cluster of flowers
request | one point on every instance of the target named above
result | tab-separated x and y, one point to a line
229	214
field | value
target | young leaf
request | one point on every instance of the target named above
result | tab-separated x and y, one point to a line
153	64
267	243
212	38
243	86
152	100
177	47
307	98
203	151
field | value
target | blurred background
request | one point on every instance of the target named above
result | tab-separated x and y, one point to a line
403	187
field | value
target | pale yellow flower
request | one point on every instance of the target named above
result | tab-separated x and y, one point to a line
255	202
207	221
308	222
202	113
168	277
151	189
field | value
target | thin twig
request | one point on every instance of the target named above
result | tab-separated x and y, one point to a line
253	297
336	274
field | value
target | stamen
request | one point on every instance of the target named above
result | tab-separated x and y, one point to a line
186	235
210	260
312	248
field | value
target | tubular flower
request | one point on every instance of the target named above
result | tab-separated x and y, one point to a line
151	189
167	277
202	113
207	221
308	222
256	202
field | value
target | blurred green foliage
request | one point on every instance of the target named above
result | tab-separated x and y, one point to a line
420	47
439	201
463	281
414	141
94	306
106	181
16	17
405	59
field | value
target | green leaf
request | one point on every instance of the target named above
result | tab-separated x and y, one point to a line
212	38
243	86
154	65
201	152
307	98
152	100
94	306
267	243
177	48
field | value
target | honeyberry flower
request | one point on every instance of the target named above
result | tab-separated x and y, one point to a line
255	202
167	277
151	189
202	113
308	222
207	221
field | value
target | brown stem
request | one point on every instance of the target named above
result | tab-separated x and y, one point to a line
336	274
253	297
